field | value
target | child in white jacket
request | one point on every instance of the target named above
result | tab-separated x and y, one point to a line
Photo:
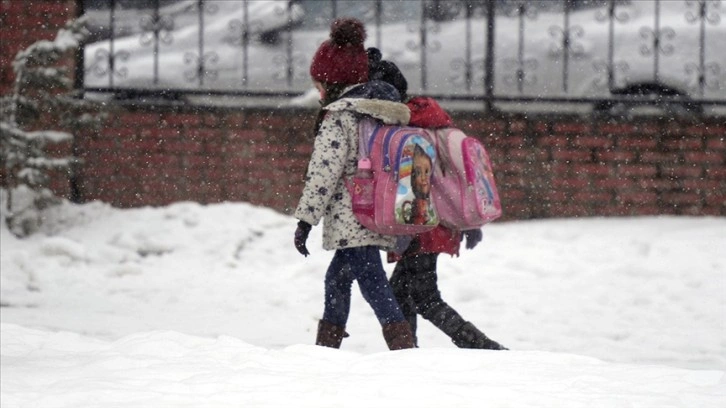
340	72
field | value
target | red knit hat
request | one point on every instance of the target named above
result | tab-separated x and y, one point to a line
342	58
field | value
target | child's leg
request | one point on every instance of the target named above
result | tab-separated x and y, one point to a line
426	295
401	284
338	282
364	263
367	268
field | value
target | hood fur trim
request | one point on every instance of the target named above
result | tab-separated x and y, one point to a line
390	113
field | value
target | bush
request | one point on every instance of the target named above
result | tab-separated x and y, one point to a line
42	94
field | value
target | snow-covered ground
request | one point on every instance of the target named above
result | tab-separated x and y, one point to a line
211	306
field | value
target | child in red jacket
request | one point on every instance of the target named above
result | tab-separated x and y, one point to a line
414	279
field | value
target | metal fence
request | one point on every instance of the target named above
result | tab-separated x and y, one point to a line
599	52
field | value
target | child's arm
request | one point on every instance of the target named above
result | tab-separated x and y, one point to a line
325	169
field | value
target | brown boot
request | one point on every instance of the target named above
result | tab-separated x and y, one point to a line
330	335
398	335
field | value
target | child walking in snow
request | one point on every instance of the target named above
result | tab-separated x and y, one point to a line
414	279
339	70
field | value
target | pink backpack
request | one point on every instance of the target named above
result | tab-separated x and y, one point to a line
391	190
464	192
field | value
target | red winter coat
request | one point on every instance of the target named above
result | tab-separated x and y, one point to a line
426	113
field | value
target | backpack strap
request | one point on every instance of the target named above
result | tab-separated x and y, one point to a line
386	150
443	154
367	126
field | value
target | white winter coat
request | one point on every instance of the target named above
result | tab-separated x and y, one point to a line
335	156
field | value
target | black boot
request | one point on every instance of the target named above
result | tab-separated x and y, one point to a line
401	285
468	336
411	319
441	315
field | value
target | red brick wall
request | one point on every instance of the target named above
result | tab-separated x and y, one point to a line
22	22
556	165
155	156
545	165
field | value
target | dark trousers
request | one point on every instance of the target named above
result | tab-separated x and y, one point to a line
415	287
364	265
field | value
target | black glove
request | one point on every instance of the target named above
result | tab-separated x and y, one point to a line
473	237
301	237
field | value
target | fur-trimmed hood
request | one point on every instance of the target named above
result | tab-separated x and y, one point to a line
377	99
391	113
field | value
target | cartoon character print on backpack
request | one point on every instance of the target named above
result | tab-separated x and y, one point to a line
413	198
483	177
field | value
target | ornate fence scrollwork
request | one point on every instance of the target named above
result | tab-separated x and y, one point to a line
156	30
566	45
521	71
104	62
610	67
469	71
201	60
241	31
706	73
658	41
572	51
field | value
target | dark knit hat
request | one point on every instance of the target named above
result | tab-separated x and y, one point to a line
385	71
342	58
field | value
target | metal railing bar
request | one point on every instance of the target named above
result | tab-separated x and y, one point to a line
111	56
290	72
468	59
522	9
560	99
657	43
245	42
80	56
566	45
423	38
156	20
379	22
703	9
634	99
489	56
611	45
146	92
200	61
